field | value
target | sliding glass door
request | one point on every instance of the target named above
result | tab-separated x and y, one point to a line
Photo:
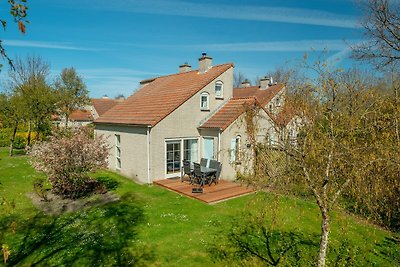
175	155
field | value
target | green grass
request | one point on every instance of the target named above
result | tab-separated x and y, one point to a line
158	227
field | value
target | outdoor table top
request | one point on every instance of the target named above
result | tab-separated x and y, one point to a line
207	169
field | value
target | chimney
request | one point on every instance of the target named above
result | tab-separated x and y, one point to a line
264	83
205	63
245	83
185	67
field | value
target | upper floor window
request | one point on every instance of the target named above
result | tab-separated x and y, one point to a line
204	101
278	103
219	89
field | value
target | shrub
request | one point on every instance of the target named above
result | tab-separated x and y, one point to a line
67	157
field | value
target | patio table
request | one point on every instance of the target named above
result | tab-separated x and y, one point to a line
207	171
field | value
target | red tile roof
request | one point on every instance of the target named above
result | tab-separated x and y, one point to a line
103	104
236	106
157	99
81	115
263	95
228	113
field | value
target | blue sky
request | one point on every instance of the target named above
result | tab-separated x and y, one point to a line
115	44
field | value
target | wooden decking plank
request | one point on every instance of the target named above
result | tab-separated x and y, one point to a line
215	193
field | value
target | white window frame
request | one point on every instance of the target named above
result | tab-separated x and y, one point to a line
236	149
118	163
182	154
278	101
207	95
189	149
221	94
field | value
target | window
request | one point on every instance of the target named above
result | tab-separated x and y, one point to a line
208	147
190	150
204	101
270	107
272	139
173	156
278	103
118	151
219	87
235	150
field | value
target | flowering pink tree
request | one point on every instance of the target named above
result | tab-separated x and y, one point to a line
67	157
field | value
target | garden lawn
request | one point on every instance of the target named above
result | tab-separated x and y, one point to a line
152	225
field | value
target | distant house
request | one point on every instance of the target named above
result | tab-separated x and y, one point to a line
80	117
189	115
87	114
100	105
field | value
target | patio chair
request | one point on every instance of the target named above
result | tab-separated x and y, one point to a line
215	177
198	175
203	162
214	164
187	171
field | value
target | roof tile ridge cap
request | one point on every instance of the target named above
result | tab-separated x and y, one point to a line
183	73
244	88
243	97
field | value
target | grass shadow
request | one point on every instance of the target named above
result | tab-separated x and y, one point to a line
389	249
101	236
109	183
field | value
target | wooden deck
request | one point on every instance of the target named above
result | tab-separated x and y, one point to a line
224	190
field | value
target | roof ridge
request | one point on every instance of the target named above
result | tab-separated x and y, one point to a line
258	86
243	97
196	70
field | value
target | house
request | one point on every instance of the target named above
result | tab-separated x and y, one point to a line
100	105
80	117
189	115
87	114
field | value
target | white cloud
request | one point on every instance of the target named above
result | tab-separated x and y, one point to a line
277	46
338	57
42	44
234	12
113	81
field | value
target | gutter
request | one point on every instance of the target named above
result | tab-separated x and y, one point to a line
148	154
219	146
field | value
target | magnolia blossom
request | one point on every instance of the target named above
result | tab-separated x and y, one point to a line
67	157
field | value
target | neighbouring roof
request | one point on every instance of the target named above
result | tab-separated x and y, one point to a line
228	113
236	106
81	115
103	104
158	98
263	95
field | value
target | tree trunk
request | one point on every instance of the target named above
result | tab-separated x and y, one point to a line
323	245
12	139
28	141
